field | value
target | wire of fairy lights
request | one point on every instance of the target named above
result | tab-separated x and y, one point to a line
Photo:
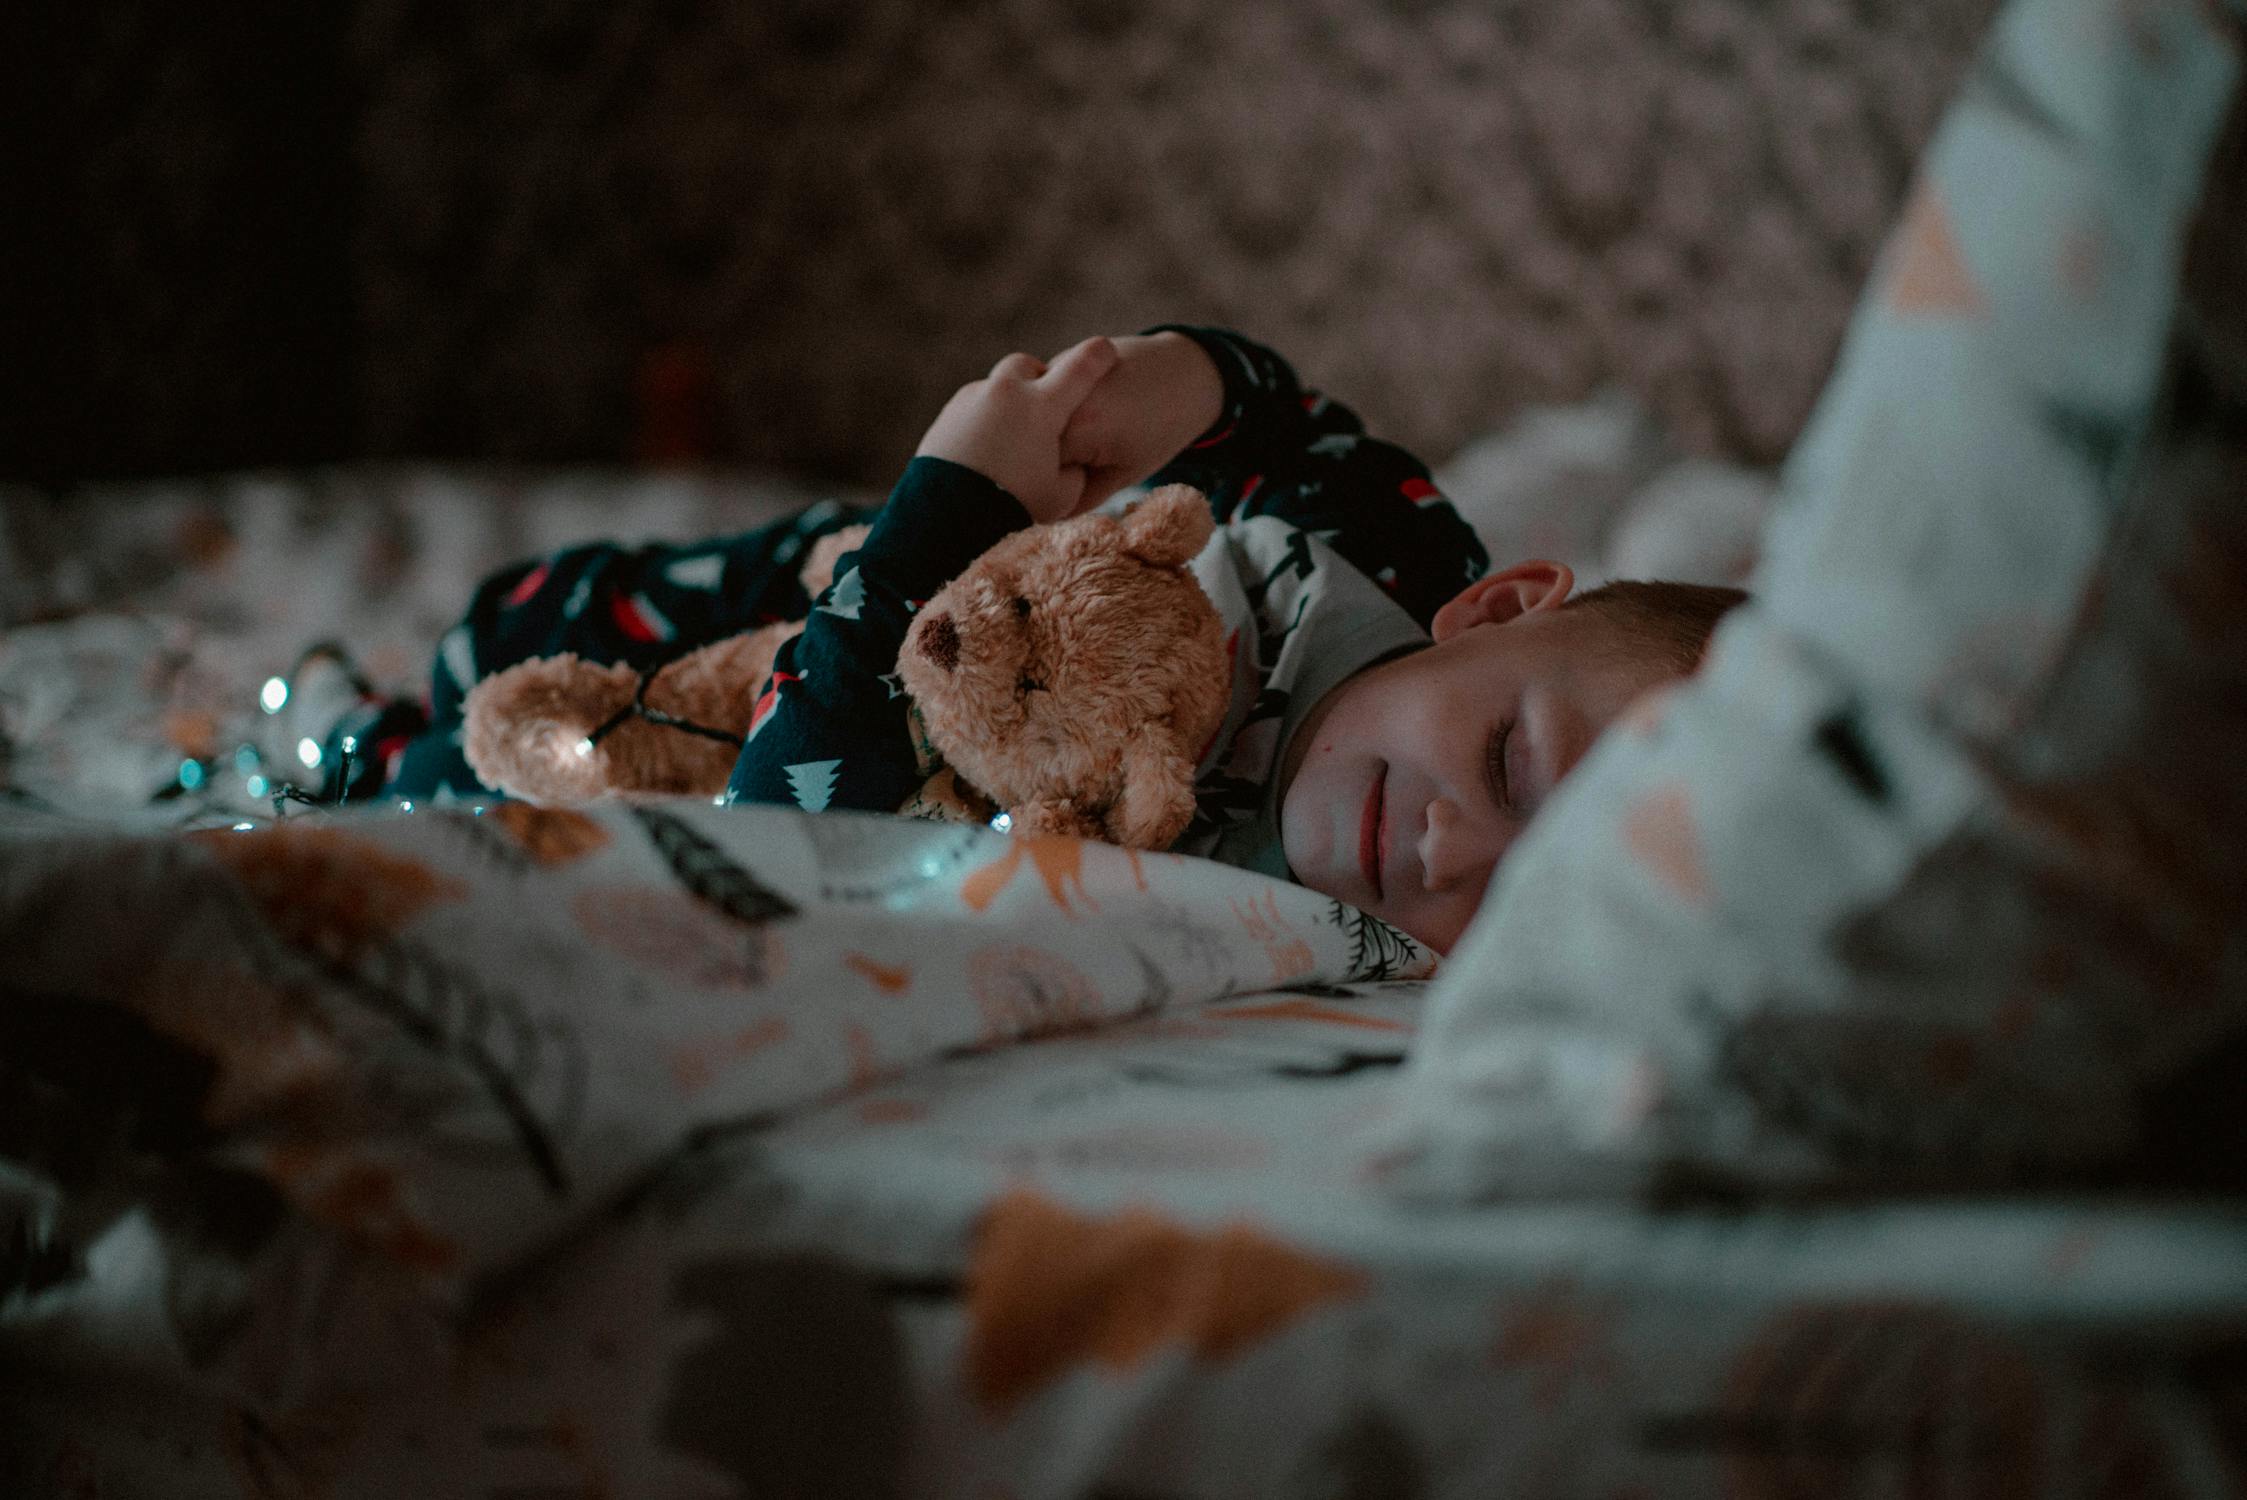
200	781
199	778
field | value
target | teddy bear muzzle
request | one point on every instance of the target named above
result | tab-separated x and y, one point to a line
939	641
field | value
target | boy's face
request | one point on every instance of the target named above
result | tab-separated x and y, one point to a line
1406	785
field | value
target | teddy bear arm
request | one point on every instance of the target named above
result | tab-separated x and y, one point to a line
716	685
818	570
521	727
1051	815
1157	801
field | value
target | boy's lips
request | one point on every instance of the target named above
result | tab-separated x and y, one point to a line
1371	828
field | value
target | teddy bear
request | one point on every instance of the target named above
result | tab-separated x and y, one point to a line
1071	676
559	730
1074	672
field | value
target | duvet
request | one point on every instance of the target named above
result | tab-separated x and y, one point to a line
674	1150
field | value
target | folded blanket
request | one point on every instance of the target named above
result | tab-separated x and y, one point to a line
418	1049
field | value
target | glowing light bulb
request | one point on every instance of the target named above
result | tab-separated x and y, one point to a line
1003	821
273	696
350	743
308	751
585	747
257	786
405	807
191	774
244	827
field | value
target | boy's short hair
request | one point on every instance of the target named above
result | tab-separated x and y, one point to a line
1672	619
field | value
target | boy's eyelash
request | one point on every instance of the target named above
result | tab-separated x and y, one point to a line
1494	763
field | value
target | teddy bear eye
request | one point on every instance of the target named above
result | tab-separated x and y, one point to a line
1021	607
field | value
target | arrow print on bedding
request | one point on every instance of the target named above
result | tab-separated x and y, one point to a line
709	874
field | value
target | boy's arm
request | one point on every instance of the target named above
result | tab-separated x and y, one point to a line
830	728
1278	449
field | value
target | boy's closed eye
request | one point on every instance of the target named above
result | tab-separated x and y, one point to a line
1532	685
1496	748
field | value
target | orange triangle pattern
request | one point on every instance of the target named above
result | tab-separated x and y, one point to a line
1310	1010
1051	1289
1928	275
550	835
890	979
329	891
1660	833
1059	862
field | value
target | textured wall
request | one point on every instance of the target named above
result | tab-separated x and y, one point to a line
178	195
1441	208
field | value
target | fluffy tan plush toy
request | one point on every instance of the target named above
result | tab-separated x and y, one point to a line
1073	672
535	730
1071	676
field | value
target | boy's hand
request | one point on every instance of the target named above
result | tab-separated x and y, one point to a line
1163	393
1007	427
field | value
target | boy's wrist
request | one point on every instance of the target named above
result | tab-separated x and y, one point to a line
941	515
1197	356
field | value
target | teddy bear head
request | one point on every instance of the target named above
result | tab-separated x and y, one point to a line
1075	671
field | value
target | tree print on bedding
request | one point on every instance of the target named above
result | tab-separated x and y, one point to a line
521	836
1377	950
709	874
532	1069
1024	992
1292	1039
681	935
334	903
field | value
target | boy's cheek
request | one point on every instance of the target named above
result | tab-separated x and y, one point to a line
1439	927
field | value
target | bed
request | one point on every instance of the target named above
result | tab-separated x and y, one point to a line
694	1151
683	1150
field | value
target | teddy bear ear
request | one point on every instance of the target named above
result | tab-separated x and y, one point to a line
1169	527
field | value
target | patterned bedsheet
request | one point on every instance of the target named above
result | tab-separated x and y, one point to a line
694	1152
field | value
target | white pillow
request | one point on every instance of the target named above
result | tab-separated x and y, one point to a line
1938	871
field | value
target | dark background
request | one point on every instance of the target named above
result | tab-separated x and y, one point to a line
635	231
183	298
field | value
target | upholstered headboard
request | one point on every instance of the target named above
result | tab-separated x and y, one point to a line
838	212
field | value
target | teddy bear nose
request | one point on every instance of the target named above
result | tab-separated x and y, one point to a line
940	642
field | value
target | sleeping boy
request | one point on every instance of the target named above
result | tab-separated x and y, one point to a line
1397	715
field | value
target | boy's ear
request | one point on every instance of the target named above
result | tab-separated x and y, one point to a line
1508	594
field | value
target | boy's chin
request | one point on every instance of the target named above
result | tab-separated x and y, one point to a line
1417	926
1439	933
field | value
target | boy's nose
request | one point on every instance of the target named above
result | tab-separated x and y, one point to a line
1455	848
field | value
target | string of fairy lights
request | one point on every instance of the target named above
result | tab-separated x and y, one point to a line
208	783
210	788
